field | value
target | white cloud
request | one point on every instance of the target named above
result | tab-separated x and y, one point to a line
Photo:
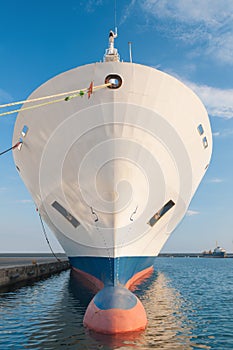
90	5
210	12
219	102
209	22
192	212
221	46
215	180
216	134
206	26
224	133
127	11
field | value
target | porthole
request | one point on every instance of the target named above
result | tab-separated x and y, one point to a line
115	81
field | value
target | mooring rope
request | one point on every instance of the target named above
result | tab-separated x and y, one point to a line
69	95
46	237
11	148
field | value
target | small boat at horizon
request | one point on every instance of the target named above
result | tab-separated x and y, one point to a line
218	252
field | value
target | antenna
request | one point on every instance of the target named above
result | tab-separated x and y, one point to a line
130	51
111	54
115	16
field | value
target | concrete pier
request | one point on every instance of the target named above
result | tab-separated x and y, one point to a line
19	271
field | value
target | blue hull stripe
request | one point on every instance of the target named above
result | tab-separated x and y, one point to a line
112	271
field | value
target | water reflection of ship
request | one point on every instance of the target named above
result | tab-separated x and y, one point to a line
83	293
168	327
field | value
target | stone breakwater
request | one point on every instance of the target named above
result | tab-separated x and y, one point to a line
14	275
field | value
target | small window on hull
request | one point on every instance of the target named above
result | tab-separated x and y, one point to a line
161	212
24	130
200	129
205	142
66	214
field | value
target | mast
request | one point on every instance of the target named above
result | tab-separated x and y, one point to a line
111	54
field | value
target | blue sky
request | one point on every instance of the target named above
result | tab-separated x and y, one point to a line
192	40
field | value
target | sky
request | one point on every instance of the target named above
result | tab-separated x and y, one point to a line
189	39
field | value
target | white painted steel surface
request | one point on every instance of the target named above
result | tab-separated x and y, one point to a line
117	157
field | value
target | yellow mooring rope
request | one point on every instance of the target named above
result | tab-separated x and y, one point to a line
69	95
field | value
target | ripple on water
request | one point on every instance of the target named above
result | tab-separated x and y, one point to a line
186	305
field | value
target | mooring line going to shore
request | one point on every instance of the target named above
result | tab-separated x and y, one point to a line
69	95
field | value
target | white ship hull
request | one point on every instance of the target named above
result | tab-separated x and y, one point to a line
113	175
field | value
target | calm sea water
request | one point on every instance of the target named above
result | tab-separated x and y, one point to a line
189	303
